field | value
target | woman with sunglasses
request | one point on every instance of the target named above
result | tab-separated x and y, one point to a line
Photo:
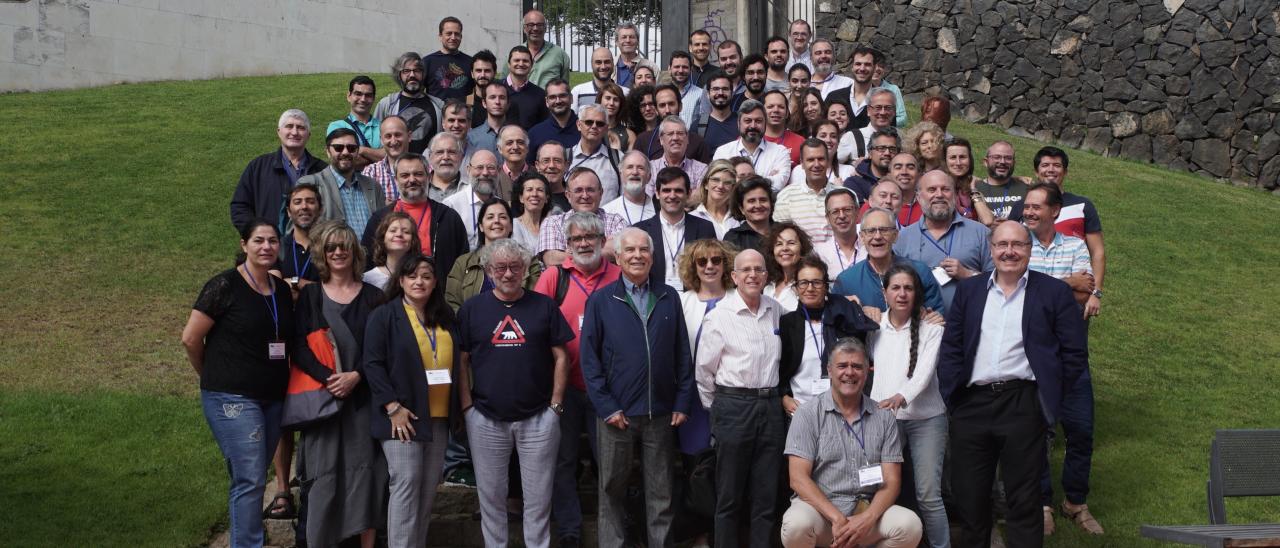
238	339
715	197
468	278
905	353
704	268
341	470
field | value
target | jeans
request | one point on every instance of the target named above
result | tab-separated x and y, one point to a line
579	416
536	440
1076	417
247	431
927	439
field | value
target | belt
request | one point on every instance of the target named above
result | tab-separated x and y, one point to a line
770	392
1004	386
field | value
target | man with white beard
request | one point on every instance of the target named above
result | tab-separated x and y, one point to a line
484	177
634	204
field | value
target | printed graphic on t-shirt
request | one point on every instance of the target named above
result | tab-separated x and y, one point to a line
449	77
508	333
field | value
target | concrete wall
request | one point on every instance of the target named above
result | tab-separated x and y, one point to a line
49	44
1189	84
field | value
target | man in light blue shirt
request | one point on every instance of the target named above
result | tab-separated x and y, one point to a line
360	95
953	246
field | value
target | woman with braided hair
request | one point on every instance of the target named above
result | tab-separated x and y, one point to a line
904	352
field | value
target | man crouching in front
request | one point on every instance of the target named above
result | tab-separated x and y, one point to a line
845	465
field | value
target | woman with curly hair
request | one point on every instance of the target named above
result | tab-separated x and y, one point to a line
783	248
642	110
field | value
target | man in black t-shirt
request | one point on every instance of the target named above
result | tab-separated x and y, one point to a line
511	384
294	263
448	71
421	111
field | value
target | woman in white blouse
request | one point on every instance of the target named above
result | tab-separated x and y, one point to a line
905	353
716	195
787	244
532	204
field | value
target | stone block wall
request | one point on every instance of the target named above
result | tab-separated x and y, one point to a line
49	44
1188	84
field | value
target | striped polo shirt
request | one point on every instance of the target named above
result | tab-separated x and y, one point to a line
1064	256
820	435
801	205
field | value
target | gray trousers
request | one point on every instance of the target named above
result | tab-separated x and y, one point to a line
414	470
656	441
536	439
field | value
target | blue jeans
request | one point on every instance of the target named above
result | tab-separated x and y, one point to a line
247	431
927	439
1076	417
579	416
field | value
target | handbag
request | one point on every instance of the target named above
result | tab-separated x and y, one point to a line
307	400
700	495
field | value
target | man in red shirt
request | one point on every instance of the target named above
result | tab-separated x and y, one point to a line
775	124
570	283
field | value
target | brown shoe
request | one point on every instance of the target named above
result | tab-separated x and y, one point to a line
1081	516
1048	521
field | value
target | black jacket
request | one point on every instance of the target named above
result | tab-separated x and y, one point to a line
393	368
448	237
695	229
840	319
263	185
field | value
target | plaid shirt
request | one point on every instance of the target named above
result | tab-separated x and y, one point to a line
382	174
552	234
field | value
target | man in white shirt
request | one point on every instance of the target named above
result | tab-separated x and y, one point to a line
671	229
825	77
843	248
468	201
854	145
601	74
592	151
804	204
769	160
737	375
634	204
800	34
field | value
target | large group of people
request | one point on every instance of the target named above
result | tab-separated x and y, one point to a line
810	324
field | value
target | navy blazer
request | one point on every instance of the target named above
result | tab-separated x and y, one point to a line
1053	332
695	228
393	368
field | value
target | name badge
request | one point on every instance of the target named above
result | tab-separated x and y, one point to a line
581	318
293	281
940	274
275	350
438	376
820	385
870	476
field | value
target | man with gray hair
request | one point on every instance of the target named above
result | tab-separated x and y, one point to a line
513	149
593	151
628	53
267	179
584	195
953	246
880	112
570	283
446	166
844	496
634	204
468	201
511	386
674	135
639	375
421	112
770	160
825	77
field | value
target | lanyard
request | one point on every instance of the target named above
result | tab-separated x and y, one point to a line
759	152
817	341
583	287
673	253
431	333
860	437
296	272
648	150
628	211
698	337
475	226
950	242
275	312
364	141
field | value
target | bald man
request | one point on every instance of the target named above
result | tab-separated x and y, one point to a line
601	74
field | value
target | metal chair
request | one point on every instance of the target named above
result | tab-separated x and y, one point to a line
1242	463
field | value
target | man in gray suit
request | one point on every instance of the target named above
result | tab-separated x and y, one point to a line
351	196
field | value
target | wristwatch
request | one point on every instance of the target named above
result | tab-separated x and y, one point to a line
558	408
1097	293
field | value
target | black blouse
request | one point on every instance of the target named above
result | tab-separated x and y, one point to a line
236	359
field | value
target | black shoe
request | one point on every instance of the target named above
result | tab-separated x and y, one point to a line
570	542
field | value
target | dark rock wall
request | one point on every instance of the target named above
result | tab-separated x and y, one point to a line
1188	84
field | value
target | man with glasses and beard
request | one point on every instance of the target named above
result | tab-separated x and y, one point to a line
951	245
351	196
420	111
722	122
634	204
884	145
1001	189
770	160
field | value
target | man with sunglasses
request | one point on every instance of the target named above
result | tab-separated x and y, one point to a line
549	60
350	195
593	152
361	92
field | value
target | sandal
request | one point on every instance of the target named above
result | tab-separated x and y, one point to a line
1082	517
281	511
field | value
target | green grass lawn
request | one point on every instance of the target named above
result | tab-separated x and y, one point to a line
115	213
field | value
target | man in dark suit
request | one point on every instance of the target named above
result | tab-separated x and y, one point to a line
671	228
1014	341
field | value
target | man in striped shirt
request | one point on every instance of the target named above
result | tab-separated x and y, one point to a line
805	205
395	141
1063	257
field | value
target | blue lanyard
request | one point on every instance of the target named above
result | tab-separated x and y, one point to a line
817	342
859	437
296	272
475	225
950	242
431	334
670	252
698	337
648	150
364	141
275	312
583	287
628	211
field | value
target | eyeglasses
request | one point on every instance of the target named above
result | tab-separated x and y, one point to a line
585	190
841	211
593	123
535	25
411	71
884	148
339	147
883	230
513	268
715	261
334	246
881	108
583	238
811	284
751	270
1001	246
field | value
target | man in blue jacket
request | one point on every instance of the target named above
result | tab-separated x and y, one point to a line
639	375
1015	340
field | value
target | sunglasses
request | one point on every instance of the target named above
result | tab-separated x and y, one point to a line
715	261
593	123
348	148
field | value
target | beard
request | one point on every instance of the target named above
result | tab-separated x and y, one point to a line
822	68
633	188
945	214
752	136
483	185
